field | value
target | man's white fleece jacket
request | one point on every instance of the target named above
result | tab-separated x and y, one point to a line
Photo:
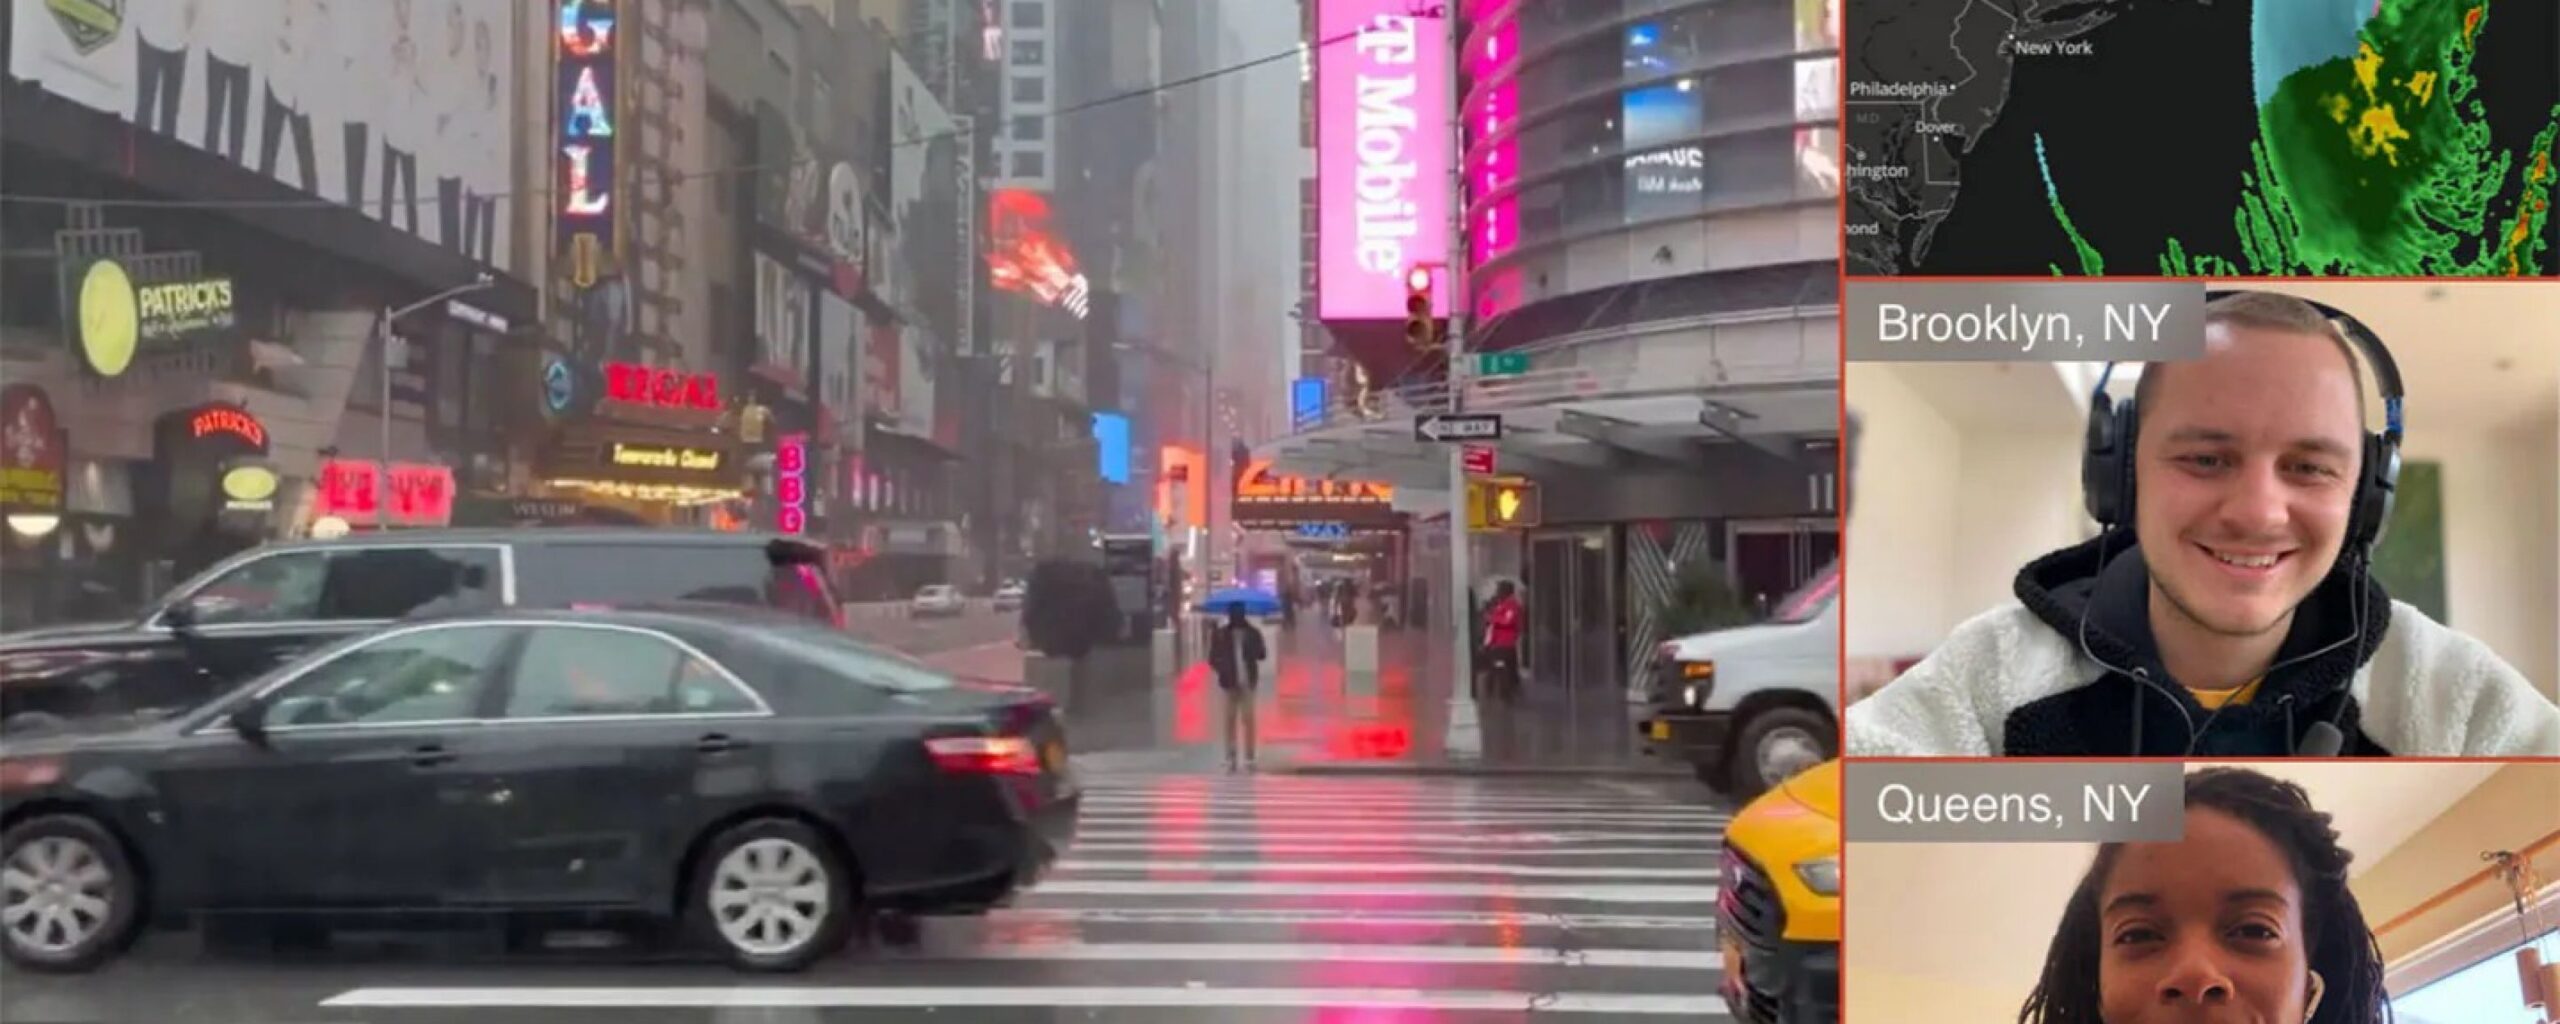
2426	692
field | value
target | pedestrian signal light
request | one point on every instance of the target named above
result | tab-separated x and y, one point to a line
1420	329
1507	504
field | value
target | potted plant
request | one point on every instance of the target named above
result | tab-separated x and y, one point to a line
1703	599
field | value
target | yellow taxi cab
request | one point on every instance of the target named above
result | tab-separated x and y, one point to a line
1778	908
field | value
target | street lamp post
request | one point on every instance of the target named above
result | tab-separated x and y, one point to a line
384	327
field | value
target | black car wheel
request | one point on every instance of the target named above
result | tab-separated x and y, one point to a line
773	896
67	894
1774	745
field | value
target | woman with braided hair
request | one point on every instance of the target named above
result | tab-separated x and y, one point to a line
2248	919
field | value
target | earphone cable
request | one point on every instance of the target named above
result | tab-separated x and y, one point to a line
2140	676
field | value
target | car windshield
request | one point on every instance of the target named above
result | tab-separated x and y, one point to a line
839	653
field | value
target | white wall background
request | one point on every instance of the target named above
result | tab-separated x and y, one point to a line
2501	556
1902	516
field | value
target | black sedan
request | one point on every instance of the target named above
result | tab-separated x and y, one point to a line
758	780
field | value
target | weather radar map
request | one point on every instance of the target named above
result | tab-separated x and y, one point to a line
2214	138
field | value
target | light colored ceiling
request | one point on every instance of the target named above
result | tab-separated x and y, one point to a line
1983	915
2472	354
2000	397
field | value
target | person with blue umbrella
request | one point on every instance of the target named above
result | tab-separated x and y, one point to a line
1236	653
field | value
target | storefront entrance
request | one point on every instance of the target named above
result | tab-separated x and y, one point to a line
1573	610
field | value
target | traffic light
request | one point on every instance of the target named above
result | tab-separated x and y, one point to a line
1507	503
1421	329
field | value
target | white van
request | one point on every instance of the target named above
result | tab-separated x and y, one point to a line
1749	706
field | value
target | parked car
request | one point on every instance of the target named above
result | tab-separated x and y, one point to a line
1748	707
1778	903
258	609
939	599
1008	598
755	778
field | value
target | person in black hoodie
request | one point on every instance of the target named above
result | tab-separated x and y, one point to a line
2229	610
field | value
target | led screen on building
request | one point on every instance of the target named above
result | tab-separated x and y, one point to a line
1382	155
1025	256
586	111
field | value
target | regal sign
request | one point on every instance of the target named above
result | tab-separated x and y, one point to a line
586	106
1382	156
662	387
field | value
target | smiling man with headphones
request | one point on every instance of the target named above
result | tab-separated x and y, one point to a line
2228	608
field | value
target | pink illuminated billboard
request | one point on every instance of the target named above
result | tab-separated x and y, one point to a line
1382	155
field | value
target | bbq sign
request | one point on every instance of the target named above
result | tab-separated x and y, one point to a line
586	106
791	483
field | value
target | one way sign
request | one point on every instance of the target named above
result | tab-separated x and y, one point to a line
1458	426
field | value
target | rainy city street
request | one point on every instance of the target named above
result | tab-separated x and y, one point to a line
1365	873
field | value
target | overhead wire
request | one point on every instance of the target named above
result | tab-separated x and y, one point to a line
643	181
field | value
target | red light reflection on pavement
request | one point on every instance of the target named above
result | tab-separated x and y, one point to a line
1374	1015
1179	829
1370	742
1308	711
1191	705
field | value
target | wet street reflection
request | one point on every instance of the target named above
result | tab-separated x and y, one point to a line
1189	897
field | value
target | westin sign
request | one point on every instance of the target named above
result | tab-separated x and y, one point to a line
1382	155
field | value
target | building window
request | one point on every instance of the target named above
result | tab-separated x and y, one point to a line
1030	53
1027	128
1030	89
1030	15
1030	163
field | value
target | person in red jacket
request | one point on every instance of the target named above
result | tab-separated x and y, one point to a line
1502	622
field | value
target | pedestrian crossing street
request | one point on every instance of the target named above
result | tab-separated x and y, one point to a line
1191	897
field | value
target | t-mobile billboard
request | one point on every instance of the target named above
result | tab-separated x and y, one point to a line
1382	155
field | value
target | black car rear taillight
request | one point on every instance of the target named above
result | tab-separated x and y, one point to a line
985	755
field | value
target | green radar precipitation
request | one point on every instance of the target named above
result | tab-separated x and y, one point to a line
2376	164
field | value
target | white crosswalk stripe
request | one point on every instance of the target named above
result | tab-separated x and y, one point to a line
1213	896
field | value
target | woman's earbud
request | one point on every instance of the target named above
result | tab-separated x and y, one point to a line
2319	987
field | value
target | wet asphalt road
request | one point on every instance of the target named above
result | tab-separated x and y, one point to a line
1188	897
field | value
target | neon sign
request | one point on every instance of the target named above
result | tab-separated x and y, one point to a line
634	384
791	483
1258	483
420	494
1382	161
228	419
585	105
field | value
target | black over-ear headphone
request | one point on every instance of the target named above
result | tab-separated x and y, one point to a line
2106	462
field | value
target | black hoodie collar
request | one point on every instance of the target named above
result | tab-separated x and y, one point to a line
2060	587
